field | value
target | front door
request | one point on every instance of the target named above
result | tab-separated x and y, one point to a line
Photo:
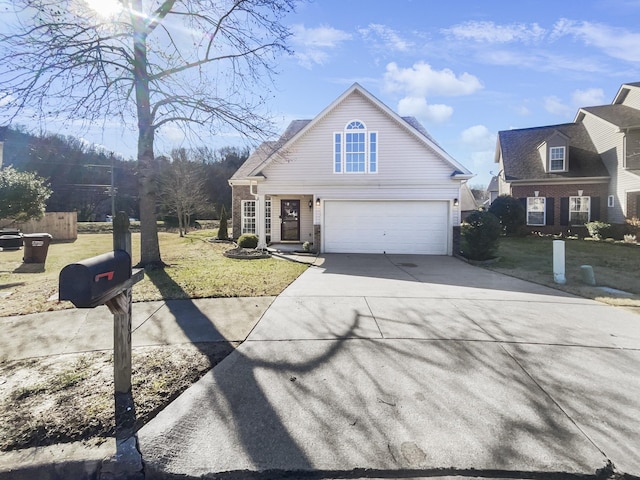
290	220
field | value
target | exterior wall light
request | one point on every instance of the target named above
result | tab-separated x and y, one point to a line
455	202
317	202
310	203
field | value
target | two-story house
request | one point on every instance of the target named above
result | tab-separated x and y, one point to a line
357	178
573	173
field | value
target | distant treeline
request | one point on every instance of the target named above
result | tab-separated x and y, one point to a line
80	174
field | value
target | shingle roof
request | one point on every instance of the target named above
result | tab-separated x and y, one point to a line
521	159
266	149
620	115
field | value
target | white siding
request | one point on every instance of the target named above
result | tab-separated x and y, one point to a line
609	143
633	98
402	159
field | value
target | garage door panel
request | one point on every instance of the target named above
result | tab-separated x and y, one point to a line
391	227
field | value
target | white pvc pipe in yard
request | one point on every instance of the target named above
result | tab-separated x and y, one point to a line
558	262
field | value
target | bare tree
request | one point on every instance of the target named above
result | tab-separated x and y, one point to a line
182	188
150	63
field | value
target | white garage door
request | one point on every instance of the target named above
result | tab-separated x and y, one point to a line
386	227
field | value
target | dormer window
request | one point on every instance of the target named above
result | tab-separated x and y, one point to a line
557	159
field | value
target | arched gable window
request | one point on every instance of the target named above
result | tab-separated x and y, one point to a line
355	149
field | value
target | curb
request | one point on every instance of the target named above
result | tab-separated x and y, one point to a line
77	461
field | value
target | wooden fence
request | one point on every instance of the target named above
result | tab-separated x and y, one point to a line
63	226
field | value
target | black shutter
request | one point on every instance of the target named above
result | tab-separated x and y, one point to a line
550	210
595	209
564	211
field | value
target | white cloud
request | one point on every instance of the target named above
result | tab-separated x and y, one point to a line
391	40
312	45
419	108
478	137
588	97
579	98
5	99
421	80
555	106
489	32
616	42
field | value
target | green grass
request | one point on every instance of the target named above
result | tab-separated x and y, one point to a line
196	269
615	265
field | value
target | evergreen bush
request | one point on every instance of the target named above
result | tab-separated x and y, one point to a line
223	229
480	234
248	240
511	214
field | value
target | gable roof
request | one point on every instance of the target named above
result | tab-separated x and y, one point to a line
521	159
621	116
265	153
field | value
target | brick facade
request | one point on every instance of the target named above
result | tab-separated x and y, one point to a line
239	193
558	191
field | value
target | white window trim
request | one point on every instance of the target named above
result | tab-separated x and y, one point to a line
267	216
245	217
544	211
611	201
576	211
564	159
342	159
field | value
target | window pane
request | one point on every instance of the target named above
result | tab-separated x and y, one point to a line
579	210
337	155
536	210
248	216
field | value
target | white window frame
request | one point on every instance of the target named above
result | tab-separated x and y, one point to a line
371	149
572	210
248	216
537	205
553	157
267	216
611	201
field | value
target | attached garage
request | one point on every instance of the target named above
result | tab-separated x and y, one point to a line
392	227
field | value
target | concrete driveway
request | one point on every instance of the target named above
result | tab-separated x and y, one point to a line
409	366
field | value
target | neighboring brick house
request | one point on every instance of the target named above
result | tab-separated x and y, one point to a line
573	173
357	178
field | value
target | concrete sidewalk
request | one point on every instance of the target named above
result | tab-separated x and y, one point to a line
153	323
83	330
408	367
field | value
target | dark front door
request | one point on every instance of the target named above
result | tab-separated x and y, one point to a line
290	220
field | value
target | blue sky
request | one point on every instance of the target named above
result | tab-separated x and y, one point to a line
465	69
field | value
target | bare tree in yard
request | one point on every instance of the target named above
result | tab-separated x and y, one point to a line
146	63
182	189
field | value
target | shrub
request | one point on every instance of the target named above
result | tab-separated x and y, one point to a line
306	246
598	230
223	229
510	213
248	240
480	235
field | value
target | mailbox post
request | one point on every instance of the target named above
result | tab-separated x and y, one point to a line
107	280
120	306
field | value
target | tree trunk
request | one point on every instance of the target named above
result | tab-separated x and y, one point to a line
180	221
149	245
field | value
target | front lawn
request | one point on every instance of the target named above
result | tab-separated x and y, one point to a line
196	269
615	265
64	398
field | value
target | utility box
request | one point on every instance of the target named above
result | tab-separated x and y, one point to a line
96	280
36	247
